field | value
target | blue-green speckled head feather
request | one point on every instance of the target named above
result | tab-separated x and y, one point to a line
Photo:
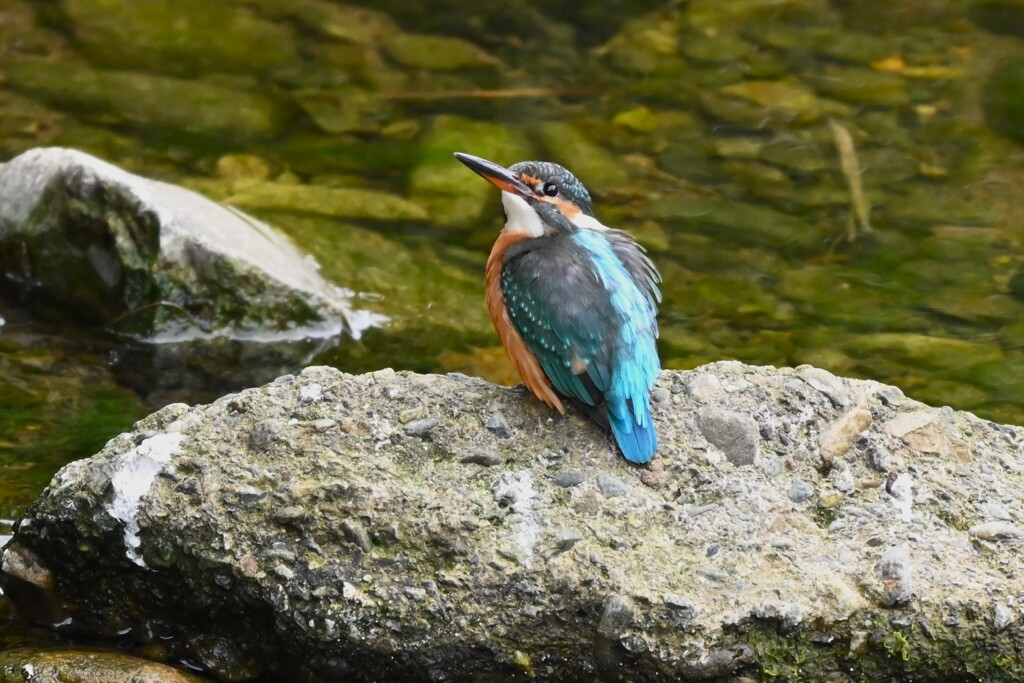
547	173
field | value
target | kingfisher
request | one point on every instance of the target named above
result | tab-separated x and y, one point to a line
573	301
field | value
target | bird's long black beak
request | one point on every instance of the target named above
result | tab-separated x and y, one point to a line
499	176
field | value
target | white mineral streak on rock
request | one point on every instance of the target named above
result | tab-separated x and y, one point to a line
902	495
132	480
517	490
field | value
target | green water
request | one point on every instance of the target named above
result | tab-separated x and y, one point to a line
711	129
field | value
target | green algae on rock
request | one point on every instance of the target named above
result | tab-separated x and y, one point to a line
340	202
178	37
188	107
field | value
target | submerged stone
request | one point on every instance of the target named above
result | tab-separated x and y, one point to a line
858	85
178	37
341	202
168	104
441	53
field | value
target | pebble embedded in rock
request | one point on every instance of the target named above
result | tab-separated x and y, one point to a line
842	479
827	383
880	458
840	437
735	434
325	424
997	531
618	614
610	486
800	491
895	572
568	479
412	414
1002	616
481	456
567	538
355	532
497	424
660	395
311	393
422	428
995	511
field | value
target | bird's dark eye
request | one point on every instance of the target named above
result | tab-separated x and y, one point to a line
551	189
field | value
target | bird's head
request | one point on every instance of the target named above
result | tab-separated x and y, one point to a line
540	197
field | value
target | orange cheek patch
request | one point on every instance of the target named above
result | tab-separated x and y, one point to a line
568	209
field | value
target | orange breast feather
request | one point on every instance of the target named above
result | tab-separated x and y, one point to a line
525	362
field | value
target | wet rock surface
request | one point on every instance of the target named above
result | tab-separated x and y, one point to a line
82	237
24	665
342	526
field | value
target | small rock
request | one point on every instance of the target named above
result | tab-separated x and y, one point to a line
843	480
905	423
1002	616
481	456
311	393
858	644
417	413
879	458
568	479
735	434
617	615
497	424
610	486
660	395
247	495
827	383
996	512
355	533
840	437
891	396
567	538
324	424
704	387
997	531
894	570
422	428
284	572
800	491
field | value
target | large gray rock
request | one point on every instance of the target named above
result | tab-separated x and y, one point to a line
338	527
154	259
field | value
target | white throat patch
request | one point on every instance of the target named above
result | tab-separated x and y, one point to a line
520	216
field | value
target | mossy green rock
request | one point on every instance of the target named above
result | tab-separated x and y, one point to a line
440	53
179	37
859	85
340	202
784	99
194	108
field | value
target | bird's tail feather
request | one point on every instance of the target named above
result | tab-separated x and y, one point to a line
636	442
